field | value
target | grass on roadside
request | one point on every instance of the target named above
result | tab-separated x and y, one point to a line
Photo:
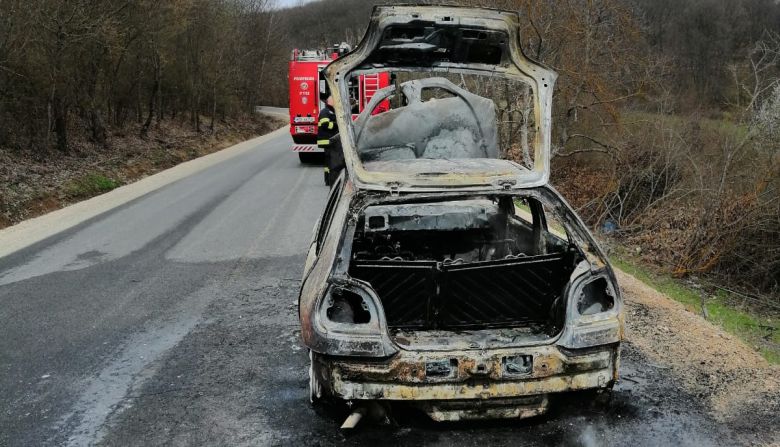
90	185
757	331
723	127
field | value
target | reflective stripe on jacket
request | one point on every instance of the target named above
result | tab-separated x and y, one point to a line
326	127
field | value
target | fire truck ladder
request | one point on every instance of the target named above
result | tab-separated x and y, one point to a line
370	86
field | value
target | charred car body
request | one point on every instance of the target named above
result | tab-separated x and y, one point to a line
443	273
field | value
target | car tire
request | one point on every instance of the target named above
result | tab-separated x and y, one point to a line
599	400
321	402
603	399
305	157
315	387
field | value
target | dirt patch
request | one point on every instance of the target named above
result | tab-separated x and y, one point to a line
33	184
737	384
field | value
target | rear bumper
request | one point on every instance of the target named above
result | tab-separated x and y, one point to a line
466	384
307	148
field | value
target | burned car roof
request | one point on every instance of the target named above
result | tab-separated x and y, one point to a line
455	132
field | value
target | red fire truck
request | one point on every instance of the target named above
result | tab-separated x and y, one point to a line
305	104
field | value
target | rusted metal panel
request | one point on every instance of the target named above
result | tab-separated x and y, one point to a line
484	370
480	377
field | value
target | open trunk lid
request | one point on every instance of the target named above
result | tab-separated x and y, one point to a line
459	76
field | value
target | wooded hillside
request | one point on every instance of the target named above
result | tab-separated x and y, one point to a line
94	65
667	113
666	121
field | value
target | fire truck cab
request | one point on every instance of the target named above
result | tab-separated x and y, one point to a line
305	104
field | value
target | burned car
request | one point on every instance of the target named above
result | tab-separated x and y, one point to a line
446	272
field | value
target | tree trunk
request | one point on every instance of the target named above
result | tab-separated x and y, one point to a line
196	110
213	107
153	97
138	105
98	129
150	115
526	113
265	51
61	124
160	110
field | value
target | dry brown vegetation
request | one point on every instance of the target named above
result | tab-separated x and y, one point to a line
94	94
107	64
31	186
666	113
665	126
709	363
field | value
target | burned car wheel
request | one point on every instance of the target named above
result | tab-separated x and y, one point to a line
315	387
320	399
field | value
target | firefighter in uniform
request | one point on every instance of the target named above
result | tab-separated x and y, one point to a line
328	140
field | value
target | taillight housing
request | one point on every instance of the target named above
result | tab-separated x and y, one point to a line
349	321
593	312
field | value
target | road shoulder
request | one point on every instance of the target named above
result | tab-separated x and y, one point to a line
33	230
740	388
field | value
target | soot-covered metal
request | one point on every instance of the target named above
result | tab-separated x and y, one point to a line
441	275
442	41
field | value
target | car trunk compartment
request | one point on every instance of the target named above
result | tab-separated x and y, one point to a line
518	292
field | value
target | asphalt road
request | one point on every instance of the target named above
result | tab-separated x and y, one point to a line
171	320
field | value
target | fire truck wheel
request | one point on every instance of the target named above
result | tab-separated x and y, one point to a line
304	157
